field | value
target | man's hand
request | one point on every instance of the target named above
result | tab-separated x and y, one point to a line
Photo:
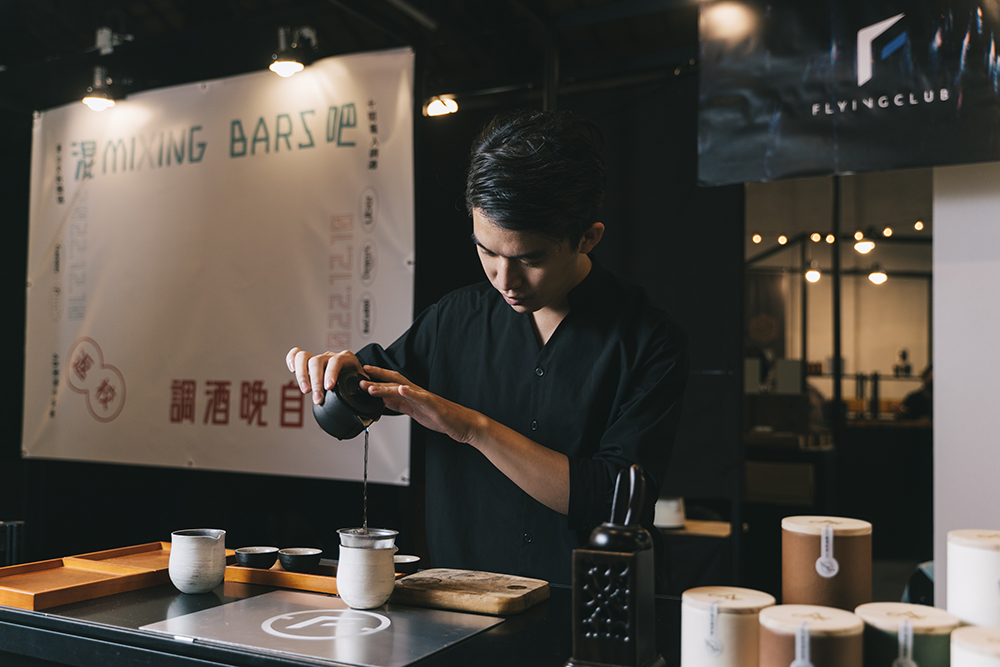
317	373
427	409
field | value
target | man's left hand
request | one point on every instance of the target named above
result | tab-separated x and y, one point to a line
427	409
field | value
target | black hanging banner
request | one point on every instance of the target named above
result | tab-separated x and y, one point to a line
791	88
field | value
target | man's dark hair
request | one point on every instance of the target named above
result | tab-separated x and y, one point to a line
538	171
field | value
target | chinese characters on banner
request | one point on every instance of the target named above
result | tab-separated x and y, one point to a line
184	399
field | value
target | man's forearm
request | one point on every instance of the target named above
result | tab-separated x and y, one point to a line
540	472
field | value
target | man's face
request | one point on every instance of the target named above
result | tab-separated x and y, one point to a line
531	272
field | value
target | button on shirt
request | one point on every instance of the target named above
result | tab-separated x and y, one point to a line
605	390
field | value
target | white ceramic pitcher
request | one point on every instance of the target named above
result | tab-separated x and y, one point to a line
197	559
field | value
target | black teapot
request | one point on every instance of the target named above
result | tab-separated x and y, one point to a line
347	409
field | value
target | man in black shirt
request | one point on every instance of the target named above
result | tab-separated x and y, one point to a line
540	385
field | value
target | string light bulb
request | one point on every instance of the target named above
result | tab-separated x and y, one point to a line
816	237
877	275
782	240
756	238
864	245
887	232
830	238
918	225
813	274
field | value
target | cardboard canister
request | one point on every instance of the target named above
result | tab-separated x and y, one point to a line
826	561
822	636
974	576
925	633
719	626
973	646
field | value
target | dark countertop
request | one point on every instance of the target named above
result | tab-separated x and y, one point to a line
106	631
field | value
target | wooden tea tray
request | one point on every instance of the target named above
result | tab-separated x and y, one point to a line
467	590
49	583
324	580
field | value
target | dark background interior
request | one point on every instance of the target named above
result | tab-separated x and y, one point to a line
631	66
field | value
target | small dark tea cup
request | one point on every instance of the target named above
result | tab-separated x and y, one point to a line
259	557
406	564
300	559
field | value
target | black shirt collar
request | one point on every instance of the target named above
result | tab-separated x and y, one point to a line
589	290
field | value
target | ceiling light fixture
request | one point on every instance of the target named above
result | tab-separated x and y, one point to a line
782	240
288	59
756	238
97	97
440	105
918	225
887	232
830	238
815	237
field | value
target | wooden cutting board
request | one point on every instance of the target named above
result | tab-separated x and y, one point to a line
467	590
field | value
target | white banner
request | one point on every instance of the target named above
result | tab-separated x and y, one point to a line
183	241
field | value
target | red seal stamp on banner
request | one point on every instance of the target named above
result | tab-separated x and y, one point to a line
101	383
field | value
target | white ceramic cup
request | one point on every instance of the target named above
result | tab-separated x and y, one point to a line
365	577
197	561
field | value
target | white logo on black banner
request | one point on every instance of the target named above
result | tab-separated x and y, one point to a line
865	38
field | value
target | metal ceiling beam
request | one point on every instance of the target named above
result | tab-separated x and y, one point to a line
617	11
415	14
403	38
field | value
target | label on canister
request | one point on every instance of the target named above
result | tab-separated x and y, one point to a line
826	565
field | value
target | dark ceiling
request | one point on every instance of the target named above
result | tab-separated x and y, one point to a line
474	49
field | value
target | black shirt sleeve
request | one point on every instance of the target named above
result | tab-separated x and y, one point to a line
411	354
642	432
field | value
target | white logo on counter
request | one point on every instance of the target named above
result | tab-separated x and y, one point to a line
325	624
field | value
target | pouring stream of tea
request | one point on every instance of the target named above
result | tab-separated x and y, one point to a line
364	529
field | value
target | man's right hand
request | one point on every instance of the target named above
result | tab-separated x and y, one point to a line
318	372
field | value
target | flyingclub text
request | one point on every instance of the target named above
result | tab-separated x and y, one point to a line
882	102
